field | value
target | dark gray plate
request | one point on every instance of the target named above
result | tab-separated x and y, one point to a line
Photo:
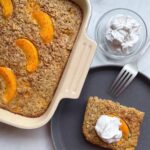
66	125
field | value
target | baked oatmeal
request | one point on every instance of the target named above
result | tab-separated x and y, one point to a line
37	59
100	126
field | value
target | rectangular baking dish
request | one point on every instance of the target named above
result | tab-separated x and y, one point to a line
72	79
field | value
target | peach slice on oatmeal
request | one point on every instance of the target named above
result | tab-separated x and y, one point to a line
30	52
124	128
7	7
10	81
46	25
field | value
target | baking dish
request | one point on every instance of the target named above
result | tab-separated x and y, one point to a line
71	81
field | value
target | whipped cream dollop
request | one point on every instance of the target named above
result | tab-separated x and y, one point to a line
123	33
107	128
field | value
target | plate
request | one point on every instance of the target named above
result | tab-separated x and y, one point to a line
66	124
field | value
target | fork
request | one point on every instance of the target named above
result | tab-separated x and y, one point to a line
126	75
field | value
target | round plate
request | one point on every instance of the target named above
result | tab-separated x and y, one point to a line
66	125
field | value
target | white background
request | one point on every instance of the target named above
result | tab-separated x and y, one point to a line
40	139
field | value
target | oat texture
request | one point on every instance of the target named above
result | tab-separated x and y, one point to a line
36	90
97	107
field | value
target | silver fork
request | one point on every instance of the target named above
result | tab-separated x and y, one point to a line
126	75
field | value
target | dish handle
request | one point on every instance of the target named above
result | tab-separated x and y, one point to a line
78	67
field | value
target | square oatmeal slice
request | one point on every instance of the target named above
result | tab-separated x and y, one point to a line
130	119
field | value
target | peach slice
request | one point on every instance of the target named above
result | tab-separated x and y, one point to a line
31	53
124	128
46	25
10	80
7	7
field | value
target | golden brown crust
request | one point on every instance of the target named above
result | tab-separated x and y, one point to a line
97	107
36	90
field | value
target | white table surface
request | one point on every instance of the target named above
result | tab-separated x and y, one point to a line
40	139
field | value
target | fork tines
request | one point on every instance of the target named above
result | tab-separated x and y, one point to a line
122	81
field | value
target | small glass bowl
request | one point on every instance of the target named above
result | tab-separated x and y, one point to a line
100	33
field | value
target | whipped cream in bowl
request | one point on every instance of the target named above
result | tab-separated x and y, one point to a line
121	34
107	128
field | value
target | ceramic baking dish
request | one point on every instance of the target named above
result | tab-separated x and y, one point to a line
72	79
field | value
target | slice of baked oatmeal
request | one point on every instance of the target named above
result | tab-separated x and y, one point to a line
37	37
131	120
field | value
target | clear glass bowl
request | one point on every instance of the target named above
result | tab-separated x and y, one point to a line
100	33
